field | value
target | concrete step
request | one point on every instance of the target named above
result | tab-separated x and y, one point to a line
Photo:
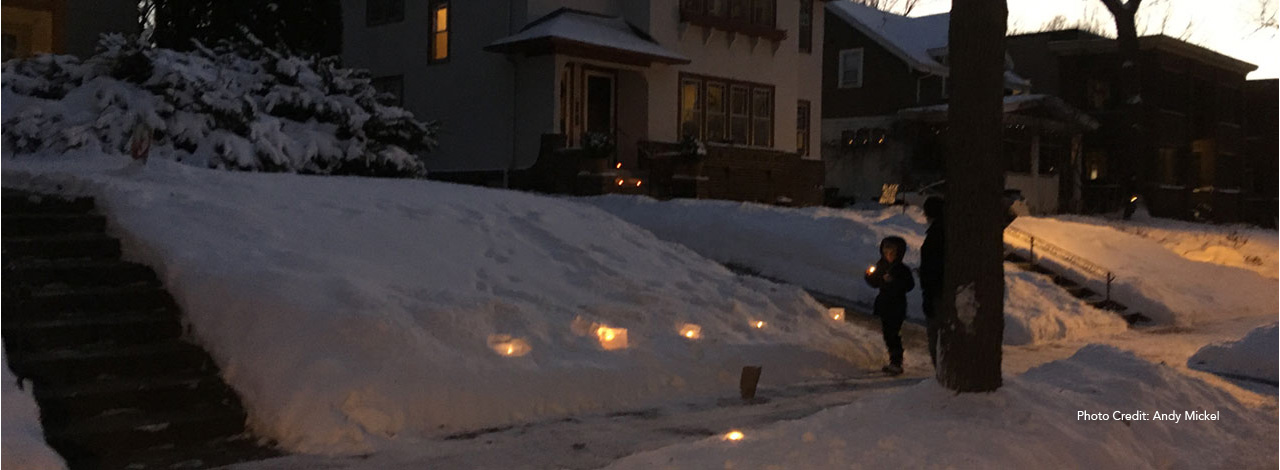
37	334
107	435
95	362
76	272
55	299
31	224
18	202
62	405
61	246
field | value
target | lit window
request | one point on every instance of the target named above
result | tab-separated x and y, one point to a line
716	107
850	68
761	117
440	31
691	108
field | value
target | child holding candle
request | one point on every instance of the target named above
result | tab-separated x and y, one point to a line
894	281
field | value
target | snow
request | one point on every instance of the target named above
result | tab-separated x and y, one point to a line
590	29
23	441
826	250
1240	246
1252	357
1151	279
350	313
1033	421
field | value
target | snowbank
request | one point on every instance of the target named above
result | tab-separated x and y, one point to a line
23	439
1253	356
1031	422
1241	246
826	250
1153	280
348	310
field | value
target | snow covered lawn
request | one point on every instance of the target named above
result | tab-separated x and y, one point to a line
1253	356
1164	285
349	311
23	439
1032	422
1242	246
826	250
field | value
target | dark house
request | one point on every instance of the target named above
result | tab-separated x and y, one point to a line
884	106
1195	160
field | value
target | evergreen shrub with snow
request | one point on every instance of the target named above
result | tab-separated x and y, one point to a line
243	108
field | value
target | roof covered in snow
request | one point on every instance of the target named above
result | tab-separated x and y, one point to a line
584	33
920	41
1053	105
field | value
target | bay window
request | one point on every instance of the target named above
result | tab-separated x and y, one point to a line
721	110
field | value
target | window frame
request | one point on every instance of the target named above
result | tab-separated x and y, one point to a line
840	82
387	17
730	87
433	7
806	29
804	126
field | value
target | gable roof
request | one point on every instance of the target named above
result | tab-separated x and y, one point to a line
577	31
920	41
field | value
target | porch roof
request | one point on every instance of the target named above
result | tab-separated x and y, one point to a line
586	34
1055	107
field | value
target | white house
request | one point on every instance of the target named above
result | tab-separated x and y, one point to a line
743	76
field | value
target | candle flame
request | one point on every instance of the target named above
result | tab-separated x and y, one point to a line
836	312
637	183
620	182
690	330
505	345
759	324
734	435
612	338
1133	199
619	165
871	270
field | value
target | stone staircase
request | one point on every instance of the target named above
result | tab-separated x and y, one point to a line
1075	289
103	344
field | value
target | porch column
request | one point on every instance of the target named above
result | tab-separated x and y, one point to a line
1035	154
1075	205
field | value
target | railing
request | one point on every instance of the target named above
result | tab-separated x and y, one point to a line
1062	255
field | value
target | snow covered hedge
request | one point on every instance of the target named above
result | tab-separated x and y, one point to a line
248	108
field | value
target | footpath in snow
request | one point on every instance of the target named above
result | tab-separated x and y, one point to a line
349	312
826	250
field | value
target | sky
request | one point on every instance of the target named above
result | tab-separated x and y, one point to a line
1227	26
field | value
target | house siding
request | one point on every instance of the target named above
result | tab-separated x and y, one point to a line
888	83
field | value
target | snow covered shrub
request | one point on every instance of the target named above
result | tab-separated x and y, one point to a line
244	108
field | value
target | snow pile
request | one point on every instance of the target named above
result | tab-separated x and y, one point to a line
1253	356
24	445
347	311
1031	422
250	109
1151	279
826	250
1240	246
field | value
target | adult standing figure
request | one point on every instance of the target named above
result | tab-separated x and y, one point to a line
932	259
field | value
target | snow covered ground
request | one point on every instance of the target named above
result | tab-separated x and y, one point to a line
1153	280
1250	357
1033	421
23	440
826	250
352	312
1242	246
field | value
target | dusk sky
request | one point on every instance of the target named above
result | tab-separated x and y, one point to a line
1226	26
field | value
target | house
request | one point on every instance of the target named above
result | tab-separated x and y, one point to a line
1262	151
1195	160
885	108
526	90
45	26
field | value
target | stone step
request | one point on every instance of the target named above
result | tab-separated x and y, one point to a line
216	453
30	224
36	334
78	272
62	246
55	299
61	405
96	362
108	435
18	202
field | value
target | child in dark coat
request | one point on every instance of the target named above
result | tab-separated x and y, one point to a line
894	281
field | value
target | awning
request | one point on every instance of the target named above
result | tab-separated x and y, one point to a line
589	35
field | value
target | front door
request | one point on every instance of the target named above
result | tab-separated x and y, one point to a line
600	94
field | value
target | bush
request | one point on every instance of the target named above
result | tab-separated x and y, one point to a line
243	108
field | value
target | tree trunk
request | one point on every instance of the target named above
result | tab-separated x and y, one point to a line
1132	143
972	301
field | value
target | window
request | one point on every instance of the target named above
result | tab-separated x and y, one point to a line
439	31
392	85
761	117
802	128
806	26
380	12
719	110
1099	93
690	108
1168	162
738	9
850	68
739	114
716	110
762	12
